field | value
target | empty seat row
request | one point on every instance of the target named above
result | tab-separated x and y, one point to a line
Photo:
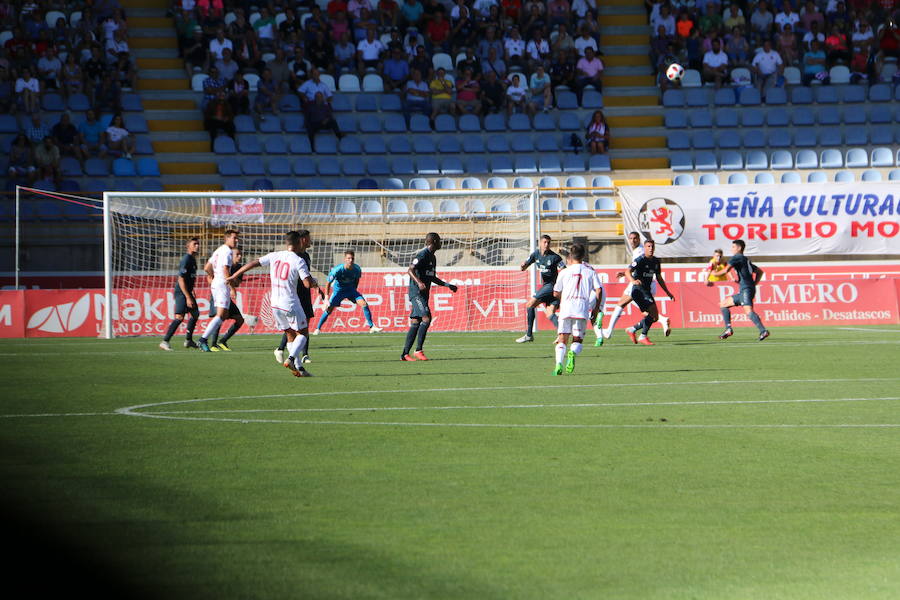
78	102
830	158
144	166
749	96
786	177
282	166
415	144
677	118
805	137
600	184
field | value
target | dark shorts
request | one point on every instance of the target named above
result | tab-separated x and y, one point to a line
338	296
181	307
420	308
307	304
544	295
642	298
744	297
233	310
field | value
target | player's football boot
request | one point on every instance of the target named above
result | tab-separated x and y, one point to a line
301	372
764	335
558	369
726	334
222	346
375	329
165	346
289	364
570	362
315	331
631	336
420	355
305	359
645	341
214	348
190	344
599	341
407	358
667	328
204	347
525	338
279	355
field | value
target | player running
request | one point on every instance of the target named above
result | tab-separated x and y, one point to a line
749	275
344	279
548	264
637	250
215	344
305	301
579	291
421	276
185	302
286	269
641	275
218	269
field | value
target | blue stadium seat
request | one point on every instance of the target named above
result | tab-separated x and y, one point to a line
473	144
844	177
519	122
249	144
421	208
378	166
782	159
859	136
329	167
402	165
427	165
135	123
801	95
676	118
300	145
731	161
495	122
53	102
777	117
566	100
871	175
79	103
592	99
469	123
371	124
262	184
275	145
805	137
696	97
449	144
501	165
882	157
831	158
549	182
525	163
524	183
567	122
287	183
445	123
791	177
764	178
803	115
779	138
776	96
69	166
756	160
549	163
854	117
602	181
683	179
253	165
393	183
700	117
880	92
605	205
806	159
544	122
229	166
894	175
709	179
244	124
289	103
424	144
749	96
737	179
673	98
547	143
353	167
452	165
681	161
705	161
374	145
826	94
497	143
279	166
477	164
678	141
390	103
854	94
573	163
151	185
522	143
96	167
881	113
305	167
599	163
729	139
724	97
291	123
754	138
752	117
326	144
831	136
394	123
346	123
471	183
419	124
829	115
702	139
817	177
367	183
399	145
857	158
726	117
497	183
147	166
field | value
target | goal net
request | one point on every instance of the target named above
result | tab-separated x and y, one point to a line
486	235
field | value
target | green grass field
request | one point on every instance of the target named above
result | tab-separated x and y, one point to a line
693	469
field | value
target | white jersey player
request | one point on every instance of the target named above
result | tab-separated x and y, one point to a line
637	250
217	270
286	270
579	291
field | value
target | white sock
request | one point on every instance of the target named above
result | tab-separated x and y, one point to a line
576	347
296	346
214	324
560	353
612	320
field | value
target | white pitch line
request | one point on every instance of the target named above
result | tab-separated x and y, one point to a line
865	329
519	406
50	415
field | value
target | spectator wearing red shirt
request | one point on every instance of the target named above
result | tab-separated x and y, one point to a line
335	6
836	47
437	33
512	8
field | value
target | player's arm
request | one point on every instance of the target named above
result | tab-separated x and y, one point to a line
210	271
528	262
250	265
188	296
628	276
662	284
757	274
414	277
438	281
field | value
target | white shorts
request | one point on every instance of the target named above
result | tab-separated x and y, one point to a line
289	319
574	326
221	294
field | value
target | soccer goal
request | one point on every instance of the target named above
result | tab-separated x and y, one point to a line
486	235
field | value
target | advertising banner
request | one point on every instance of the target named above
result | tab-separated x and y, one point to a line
225	211
786	220
787	302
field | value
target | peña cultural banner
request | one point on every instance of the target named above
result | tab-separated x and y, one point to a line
786	220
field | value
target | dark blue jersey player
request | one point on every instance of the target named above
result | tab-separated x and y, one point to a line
422	273
343	283
640	274
748	276
548	263
185	302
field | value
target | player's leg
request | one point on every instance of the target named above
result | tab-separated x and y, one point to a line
222	302
562	340
336	298
651	316
663	319
191	324
531	314
411	334
420	337
298	346
747	303
234	313
550	312
578	329
173	327
725	308
310	313
367	313
279	351
617	312
598	320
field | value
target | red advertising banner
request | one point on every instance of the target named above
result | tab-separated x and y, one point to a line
788	302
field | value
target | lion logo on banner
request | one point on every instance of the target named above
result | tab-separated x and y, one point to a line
661	220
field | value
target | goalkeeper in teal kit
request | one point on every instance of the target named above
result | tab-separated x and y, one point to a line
343	281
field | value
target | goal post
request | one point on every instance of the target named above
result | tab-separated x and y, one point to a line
486	235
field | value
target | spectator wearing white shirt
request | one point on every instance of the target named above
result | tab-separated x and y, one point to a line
538	51
312	86
666	19
584	7
483	7
368	53
28	92
218	44
115	47
515	48
787	15
585	41
715	64
814	34
767	65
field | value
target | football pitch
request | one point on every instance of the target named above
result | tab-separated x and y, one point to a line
696	468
